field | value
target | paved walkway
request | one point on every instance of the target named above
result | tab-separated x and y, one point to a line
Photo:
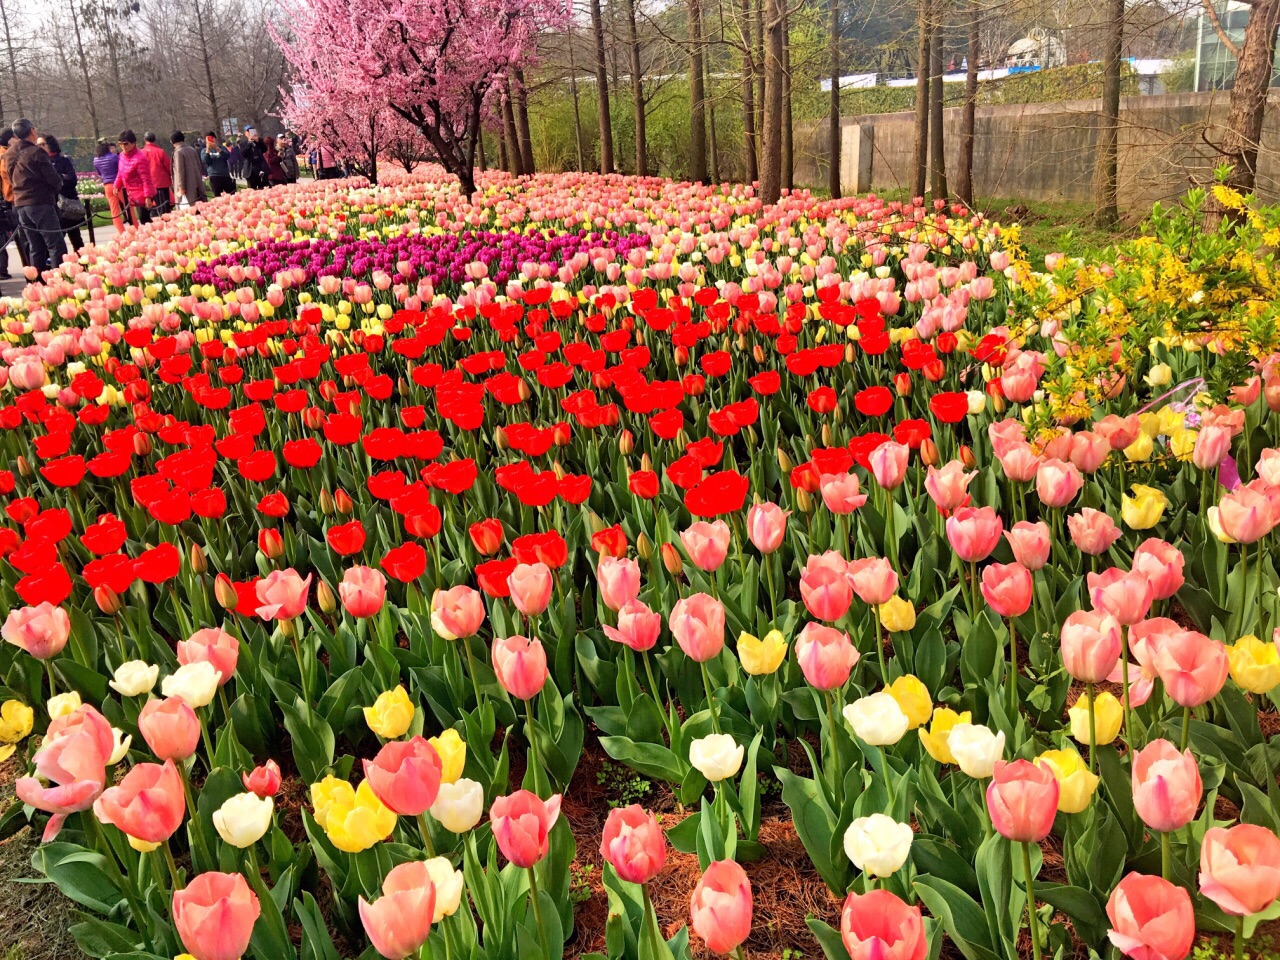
13	286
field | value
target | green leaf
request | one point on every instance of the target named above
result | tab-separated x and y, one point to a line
960	915
80	873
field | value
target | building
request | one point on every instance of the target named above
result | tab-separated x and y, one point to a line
1215	64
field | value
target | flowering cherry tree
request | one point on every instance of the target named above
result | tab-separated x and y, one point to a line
432	63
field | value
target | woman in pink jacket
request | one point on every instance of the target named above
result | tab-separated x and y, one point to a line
134	178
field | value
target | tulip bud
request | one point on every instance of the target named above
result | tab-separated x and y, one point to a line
671	559
108	600
595	523
757	353
561	434
682	356
197	560
325	597
500	439
626	442
998	403
644	546
271	544
523	390
225	592
313	418
826	435
24	468
967	457
929	452
784	461
342	502
402	387
804	501
645	462
849	353
558	469
326	503
141	444
902	384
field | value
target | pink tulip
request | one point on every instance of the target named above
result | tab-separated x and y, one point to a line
638	626
889	464
841	493
1213	443
1120	432
1020	463
973	532
1090	645
1161	563
1125	596
1192	667
697	623
1092	531
363	591
214	646
41	630
880	926
949	486
170	727
825	587
282	595
767	526
1151	918
707	544
1166	786
263	780
521	823
826	656
1240	868
873	579
530	585
633	844
147	804
215	914
459	611
1057	483
1006	434
405	775
1022	799
1089	450
72	760
1007	588
520	664
398	923
619	581
720	907
1030	543
1246	515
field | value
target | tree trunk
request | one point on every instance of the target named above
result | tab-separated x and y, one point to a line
771	159
504	158
697	97
573	90
964	185
522	124
1248	104
833	130
924	49
788	129
515	156
602	91
113	60
637	90
13	59
937	148
758	60
84	72
751	148
482	162
210	93
1107	162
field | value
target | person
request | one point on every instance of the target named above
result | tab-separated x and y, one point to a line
35	195
107	164
217	161
71	222
161	172
135	178
255	162
288	158
8	215
188	173
271	159
235	159
327	164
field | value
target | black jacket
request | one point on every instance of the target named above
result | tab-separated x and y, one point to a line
35	181
67	170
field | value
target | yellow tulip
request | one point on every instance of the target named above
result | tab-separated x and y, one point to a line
898	615
1171	421
762	657
327	793
1159	375
16	719
913	698
1140	450
1075	783
1215	526
935	739
1108	715
63	704
452	751
1255	666
1182	443
1144	509
391	714
358	820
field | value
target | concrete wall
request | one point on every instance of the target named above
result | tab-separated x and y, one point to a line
1045	151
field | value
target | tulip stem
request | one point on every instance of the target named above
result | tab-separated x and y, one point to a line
884	670
653	686
711	703
1244	586
650	912
973	589
425	830
48	669
1013	674
1239	939
1186	728
1166	856
1093	729
537	912
173	866
835	746
535	763
1031	901
1258	591
471	669
1124	679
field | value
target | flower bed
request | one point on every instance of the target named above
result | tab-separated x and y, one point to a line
346	531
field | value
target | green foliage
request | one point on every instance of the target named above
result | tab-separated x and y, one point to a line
623	786
1180	77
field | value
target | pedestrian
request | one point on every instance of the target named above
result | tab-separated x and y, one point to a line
288	158
35	195
271	159
161	172
255	162
107	164
327	164
235	159
8	215
217	161
135	178
188	172
71	209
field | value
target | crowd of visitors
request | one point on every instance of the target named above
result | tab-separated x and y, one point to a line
42	210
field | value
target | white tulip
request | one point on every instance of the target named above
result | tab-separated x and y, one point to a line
448	882
878	844
120	743
976	749
877	719
459	805
195	683
243	819
717	756
63	704
134	678
977	402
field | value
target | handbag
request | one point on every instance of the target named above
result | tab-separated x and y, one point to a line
71	209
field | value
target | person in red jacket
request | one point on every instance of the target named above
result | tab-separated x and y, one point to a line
161	172
134	178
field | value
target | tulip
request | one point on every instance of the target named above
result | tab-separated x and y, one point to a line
352	819
1240	868
1030	543
949	486
41	630
147	804
405	775
619	581
1144	509
633	844
716	756
638	626
215	646
1161	563
1246	515
879	926
399	922
1151	918
391	713
913	698
841	493
767	526
826	656
520	664
877	719
214	916
873	579
697	623
973	533
522	823
1166	786
459	805
1092	531
1193	669
878	844
170	727
1125	596
263	780
937	738
889	464
242	820
282	595
1255	666
761	657
898	615
1076	783
448	883
825	587
720	907
452	751
1213	443
1022	799
363	591
976	749
1090	645
706	544
457	612
72	761
1057	483
1108	715
1007	588
135	677
530	585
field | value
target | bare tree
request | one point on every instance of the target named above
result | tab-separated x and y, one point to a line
788	130
771	152
84	71
964	177
937	147
751	147
13	59
834	133
602	91
573	90
1105	169
523	137
637	88
924	57
697	96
